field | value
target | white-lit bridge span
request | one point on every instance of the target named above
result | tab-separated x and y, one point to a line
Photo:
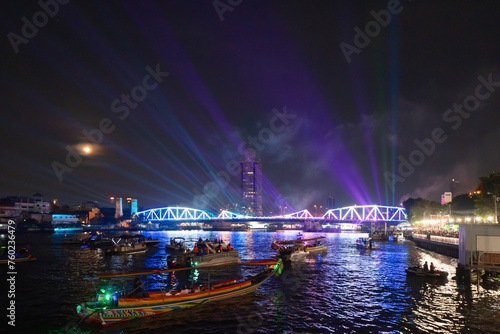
357	213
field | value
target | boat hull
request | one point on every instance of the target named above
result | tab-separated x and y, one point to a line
321	248
122	249
425	273
116	314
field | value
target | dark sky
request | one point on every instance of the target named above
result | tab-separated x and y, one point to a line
266	75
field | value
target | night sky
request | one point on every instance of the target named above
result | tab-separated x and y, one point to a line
173	93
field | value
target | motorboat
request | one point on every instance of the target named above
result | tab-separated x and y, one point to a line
365	243
127	244
176	245
292	250
397	236
418	271
114	304
97	240
379	236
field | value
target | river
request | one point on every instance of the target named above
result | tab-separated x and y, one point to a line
344	290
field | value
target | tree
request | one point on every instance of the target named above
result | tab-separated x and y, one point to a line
423	208
489	186
408	205
463	202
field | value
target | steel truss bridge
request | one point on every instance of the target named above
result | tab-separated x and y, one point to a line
349	214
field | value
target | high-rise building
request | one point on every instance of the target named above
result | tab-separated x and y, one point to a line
330	202
251	186
119	208
133	207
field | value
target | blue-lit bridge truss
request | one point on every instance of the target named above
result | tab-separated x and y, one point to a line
361	213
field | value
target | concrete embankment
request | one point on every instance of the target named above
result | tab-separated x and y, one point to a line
440	247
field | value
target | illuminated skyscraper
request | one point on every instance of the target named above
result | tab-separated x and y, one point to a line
133	207
251	186
119	208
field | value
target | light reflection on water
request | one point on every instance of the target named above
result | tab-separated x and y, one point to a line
343	290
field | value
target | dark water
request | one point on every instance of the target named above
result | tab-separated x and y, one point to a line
345	290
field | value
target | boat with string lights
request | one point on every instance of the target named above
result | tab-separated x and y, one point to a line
114	304
295	250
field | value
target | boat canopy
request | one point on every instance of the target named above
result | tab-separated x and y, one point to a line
286	242
130	236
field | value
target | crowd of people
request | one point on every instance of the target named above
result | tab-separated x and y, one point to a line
436	232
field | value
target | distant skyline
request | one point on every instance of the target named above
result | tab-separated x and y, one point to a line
160	101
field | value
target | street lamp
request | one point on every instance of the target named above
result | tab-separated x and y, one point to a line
495	199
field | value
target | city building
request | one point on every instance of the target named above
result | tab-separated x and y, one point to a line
330	202
133	207
14	206
119	208
251	186
446	198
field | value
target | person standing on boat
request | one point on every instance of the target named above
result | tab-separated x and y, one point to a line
138	289
433	269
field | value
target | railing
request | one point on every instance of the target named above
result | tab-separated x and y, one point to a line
480	258
446	240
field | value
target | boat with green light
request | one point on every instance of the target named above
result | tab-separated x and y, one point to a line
114	305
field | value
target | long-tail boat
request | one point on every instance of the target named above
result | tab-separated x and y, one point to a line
315	245
113	305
